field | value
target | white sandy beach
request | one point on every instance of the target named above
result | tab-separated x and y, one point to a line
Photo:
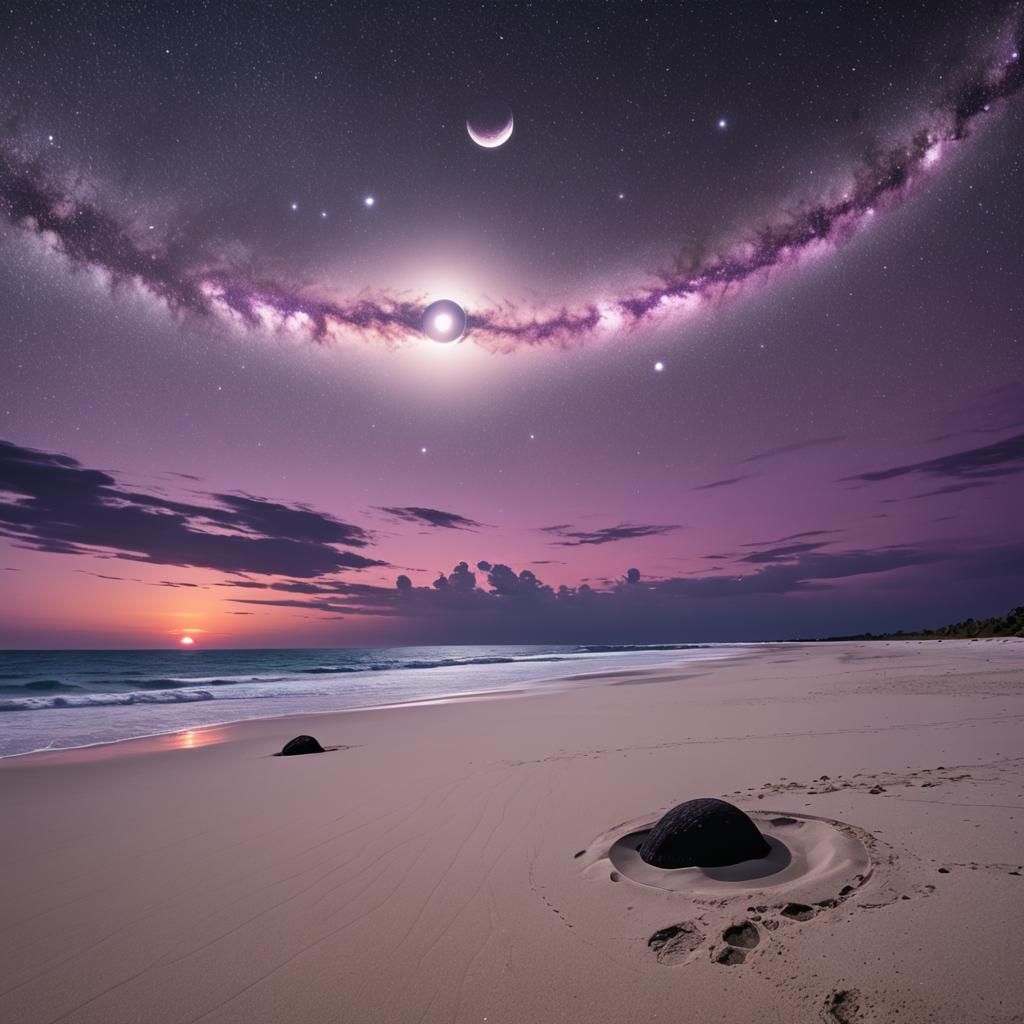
451	863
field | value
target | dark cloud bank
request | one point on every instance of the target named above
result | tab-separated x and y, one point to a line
798	594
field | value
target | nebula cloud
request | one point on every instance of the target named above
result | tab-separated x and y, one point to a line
190	282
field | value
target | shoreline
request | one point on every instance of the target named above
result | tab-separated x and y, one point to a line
545	685
463	860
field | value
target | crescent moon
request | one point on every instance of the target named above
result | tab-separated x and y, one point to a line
494	139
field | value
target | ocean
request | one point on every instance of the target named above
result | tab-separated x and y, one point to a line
54	700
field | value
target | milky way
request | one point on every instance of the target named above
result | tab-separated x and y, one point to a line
194	283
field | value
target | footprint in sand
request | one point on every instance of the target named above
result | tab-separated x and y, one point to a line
844	1006
675	944
798	911
744	935
738	939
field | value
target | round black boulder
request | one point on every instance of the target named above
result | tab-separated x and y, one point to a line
301	745
704	833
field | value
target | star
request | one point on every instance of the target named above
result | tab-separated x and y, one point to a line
423	451
722	123
295	206
323	213
622	195
659	366
369	201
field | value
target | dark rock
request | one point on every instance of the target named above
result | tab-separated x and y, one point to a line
704	833
301	745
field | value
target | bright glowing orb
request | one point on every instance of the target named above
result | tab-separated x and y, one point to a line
659	366
186	641
444	321
490	124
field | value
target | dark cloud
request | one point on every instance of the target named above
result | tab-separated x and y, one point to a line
571	537
790	536
325	587
295	522
52	503
785	553
432	517
1002	458
727	482
104	576
806	570
797	446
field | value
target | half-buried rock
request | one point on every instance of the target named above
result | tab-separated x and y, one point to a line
301	745
704	833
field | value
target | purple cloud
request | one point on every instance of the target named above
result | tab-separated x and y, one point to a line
50	502
1002	458
432	517
608	535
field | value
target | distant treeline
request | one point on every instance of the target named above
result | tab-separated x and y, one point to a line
1011	624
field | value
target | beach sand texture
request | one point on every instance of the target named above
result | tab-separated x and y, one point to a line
467	862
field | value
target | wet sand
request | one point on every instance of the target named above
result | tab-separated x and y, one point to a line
471	861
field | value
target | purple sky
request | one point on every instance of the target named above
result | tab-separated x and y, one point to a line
219	416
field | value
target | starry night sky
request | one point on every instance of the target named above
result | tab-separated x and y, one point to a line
744	293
